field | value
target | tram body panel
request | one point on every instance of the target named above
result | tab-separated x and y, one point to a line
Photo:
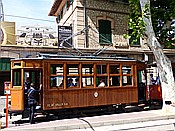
74	98
17	101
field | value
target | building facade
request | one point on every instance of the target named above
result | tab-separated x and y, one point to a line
108	21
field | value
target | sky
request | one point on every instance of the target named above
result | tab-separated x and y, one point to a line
37	9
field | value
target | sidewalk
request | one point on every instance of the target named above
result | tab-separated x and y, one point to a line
96	121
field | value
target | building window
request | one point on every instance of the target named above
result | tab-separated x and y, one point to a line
133	41
105	33
4	64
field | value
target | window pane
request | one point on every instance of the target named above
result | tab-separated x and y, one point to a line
88	81
127	80
17	77
100	80
114	69
115	81
87	69
101	69
127	75
105	31
56	69
126	69
72	69
56	81
73	82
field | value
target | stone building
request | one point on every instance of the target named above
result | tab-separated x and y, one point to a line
108	21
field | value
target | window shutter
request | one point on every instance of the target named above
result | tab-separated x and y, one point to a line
105	36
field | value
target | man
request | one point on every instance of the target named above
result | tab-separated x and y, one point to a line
27	84
32	101
102	83
152	81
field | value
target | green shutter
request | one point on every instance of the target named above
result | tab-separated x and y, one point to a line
105	34
4	64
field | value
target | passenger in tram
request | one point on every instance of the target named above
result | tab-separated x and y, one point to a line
33	94
76	82
152	81
70	82
102	83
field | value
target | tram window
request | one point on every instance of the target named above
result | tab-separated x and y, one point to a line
127	80
17	64
73	82
101	69
17	77
88	81
114	69
114	80
87	69
104	79
56	81
127	75
72	68
126	69
56	69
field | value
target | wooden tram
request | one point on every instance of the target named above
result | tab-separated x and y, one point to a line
119	74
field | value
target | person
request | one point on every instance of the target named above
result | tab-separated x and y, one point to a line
26	88
32	101
158	80
152	81
102	84
77	82
27	84
70	82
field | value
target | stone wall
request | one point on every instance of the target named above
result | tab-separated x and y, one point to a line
116	12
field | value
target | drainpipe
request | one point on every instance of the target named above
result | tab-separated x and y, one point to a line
85	22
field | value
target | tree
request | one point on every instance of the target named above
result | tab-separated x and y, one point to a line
143	22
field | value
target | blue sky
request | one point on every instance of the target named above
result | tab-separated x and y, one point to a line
38	9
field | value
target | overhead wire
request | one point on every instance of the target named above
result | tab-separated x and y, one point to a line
29	18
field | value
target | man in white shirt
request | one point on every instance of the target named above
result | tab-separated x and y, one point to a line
102	84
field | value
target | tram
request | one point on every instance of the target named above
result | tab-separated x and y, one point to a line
120	75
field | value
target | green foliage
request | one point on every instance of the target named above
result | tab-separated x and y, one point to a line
162	12
136	24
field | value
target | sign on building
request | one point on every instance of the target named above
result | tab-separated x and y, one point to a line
63	33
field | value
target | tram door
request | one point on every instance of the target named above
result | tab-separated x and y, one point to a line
19	76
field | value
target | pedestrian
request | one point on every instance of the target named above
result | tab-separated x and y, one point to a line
32	101
27	84
152	81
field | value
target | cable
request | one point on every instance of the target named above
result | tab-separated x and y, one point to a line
29	18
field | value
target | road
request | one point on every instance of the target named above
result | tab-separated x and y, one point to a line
162	125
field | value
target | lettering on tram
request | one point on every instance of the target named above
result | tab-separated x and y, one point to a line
73	82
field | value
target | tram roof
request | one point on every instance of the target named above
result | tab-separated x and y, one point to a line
69	57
